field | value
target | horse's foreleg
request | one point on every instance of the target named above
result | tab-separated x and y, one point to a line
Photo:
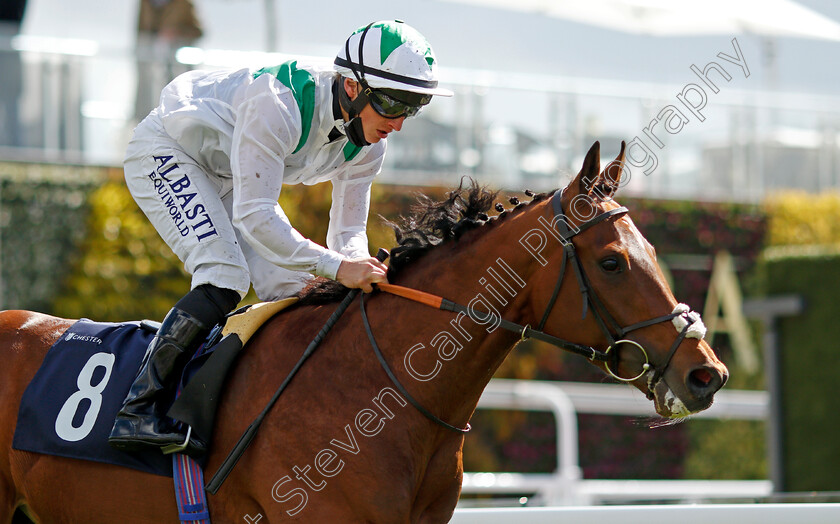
441	486
440	510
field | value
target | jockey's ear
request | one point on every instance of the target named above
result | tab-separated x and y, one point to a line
350	87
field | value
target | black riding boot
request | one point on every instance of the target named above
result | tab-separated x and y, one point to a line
142	423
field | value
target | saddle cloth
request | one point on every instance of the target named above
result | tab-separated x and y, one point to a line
68	408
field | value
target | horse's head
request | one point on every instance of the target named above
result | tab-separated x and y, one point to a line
645	337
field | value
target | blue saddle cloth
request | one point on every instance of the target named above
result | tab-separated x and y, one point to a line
68	408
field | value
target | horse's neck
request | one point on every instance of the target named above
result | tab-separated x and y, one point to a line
489	273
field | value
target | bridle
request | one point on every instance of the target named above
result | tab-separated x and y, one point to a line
613	332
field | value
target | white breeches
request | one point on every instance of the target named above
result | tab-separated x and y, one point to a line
191	211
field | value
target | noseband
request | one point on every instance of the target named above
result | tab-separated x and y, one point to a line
613	332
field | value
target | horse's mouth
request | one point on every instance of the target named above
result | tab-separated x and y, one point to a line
670	406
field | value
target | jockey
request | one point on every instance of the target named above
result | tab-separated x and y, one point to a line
207	167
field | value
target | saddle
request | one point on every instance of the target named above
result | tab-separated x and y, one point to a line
204	376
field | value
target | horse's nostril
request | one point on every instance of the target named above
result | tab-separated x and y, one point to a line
704	381
701	377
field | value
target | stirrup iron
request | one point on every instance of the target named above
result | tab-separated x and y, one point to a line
178	448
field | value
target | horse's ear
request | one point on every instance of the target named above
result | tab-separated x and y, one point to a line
599	185
591	181
583	182
610	179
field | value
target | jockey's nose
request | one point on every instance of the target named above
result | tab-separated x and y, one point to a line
396	123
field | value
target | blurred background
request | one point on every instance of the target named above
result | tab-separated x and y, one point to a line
732	113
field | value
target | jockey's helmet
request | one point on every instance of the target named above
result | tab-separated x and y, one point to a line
391	55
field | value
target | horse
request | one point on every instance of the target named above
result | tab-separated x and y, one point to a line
343	443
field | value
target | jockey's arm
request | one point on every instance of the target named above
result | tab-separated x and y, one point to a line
347	233
268	129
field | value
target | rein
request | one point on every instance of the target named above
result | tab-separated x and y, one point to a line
245	440
396	381
525	332
612	330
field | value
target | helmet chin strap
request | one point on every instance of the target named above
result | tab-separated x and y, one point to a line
353	127
356	133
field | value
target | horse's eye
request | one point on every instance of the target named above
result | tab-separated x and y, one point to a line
610	265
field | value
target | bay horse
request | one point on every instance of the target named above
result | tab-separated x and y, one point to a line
343	444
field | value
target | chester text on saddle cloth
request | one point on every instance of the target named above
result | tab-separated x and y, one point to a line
68	408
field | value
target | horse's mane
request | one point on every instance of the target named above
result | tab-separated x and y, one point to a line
429	224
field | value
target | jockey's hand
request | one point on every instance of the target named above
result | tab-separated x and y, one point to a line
361	273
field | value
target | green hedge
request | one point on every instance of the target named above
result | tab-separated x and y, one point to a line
43	218
809	364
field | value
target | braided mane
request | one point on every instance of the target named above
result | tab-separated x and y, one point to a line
429	224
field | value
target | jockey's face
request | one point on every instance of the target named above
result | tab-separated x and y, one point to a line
375	126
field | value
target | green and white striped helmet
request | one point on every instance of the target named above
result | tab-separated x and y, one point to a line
394	55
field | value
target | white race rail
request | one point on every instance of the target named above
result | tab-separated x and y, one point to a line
565	486
682	514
